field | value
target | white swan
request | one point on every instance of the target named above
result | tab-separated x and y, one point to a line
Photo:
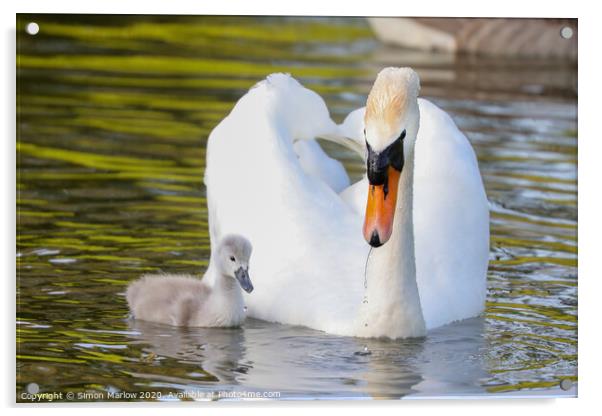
183	300
309	254
315	162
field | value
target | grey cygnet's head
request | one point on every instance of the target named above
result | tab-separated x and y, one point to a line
234	253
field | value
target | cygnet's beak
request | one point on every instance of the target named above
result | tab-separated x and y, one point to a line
242	275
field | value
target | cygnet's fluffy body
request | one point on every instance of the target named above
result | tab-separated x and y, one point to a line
183	300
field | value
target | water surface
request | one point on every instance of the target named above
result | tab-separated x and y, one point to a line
113	118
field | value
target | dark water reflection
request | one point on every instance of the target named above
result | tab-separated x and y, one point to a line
113	117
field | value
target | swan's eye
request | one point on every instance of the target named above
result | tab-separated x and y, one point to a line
402	135
232	258
364	133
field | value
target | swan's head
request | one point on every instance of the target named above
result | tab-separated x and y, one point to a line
391	125
234	253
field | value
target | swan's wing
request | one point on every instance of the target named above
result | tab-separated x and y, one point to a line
347	142
308	248
315	162
350	133
353	127
356	195
451	221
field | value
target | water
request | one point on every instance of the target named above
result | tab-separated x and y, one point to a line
113	117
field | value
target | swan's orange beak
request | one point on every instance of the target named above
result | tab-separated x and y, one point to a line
380	209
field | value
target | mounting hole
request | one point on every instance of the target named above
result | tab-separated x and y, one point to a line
566	32
32	28
32	388
566	384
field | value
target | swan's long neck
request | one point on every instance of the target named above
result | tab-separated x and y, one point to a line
391	305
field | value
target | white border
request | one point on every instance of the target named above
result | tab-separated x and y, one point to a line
590	155
459	8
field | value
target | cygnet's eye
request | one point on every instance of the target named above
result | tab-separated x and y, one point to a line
232	258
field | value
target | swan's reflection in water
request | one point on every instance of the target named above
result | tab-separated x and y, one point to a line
299	362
